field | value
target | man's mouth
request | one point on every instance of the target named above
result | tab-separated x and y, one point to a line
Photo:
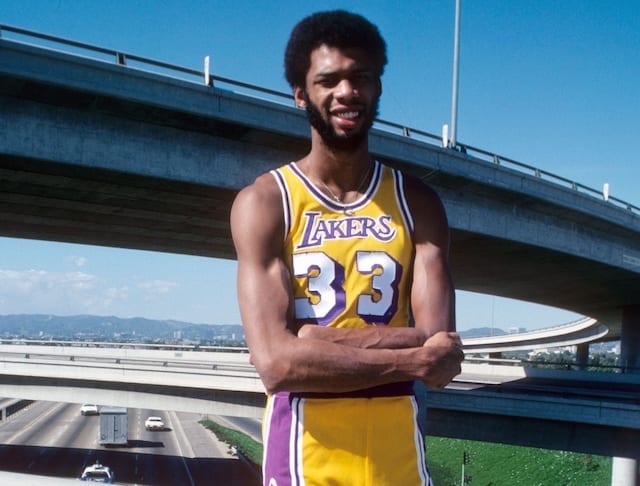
348	118
349	115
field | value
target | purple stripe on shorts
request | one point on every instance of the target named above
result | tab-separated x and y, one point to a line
278	444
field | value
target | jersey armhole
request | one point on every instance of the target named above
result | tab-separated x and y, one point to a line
401	198
286	200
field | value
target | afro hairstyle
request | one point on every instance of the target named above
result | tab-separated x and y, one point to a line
334	28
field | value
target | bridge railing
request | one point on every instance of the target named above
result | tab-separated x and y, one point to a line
137	62
543	174
204	76
124	345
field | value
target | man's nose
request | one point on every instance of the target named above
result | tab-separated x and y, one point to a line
346	88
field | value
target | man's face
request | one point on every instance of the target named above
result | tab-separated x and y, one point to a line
341	96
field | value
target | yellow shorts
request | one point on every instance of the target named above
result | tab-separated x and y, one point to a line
343	441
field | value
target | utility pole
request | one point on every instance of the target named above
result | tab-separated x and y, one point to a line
456	63
466	459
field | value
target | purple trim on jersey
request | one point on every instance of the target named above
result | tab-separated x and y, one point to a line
402	200
373	184
336	206
277	452
286	200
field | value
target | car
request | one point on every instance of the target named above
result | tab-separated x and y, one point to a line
89	409
154	423
98	473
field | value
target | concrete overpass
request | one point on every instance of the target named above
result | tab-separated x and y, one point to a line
568	410
577	333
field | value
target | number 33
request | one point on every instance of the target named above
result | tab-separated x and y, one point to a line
325	284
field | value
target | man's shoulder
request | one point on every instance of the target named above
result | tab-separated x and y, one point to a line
414	184
263	185
263	192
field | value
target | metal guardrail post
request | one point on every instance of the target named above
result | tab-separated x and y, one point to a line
208	80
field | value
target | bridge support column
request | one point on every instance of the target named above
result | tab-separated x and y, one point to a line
624	472
624	469
582	356
630	339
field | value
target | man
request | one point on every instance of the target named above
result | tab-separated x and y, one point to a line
337	254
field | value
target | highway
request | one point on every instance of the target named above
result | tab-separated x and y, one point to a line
574	410
54	439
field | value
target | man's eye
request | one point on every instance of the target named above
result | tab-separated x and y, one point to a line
328	82
361	79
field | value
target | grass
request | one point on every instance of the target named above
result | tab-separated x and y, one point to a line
489	465
244	444
506	465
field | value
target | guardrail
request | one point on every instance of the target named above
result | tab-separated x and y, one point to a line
221	371
11	406
159	67
125	345
109	355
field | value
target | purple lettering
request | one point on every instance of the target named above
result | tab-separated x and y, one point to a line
317	230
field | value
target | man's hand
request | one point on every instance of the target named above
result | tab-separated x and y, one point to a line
446	354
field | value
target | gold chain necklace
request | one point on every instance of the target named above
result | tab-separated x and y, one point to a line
365	175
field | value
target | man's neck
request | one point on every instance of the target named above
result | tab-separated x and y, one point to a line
335	158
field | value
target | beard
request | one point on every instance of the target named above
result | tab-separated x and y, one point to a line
347	141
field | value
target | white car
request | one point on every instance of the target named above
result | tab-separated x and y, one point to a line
154	423
98	473
89	409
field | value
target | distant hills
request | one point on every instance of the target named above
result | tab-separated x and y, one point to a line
102	328
89	327
482	332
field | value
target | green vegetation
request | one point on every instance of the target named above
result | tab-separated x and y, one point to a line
244	444
489	464
505	465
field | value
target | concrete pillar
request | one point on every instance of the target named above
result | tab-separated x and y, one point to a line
582	356
624	472
630	339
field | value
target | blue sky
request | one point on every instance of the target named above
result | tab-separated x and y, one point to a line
550	84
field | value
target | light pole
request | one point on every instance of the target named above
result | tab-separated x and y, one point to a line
456	63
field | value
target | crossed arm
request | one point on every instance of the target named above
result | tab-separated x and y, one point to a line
315	358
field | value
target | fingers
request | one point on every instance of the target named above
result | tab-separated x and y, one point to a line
456	337
445	339
437	385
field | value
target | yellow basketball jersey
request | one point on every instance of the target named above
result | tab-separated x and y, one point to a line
350	264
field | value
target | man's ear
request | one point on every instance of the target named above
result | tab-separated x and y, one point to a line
299	97
379	84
